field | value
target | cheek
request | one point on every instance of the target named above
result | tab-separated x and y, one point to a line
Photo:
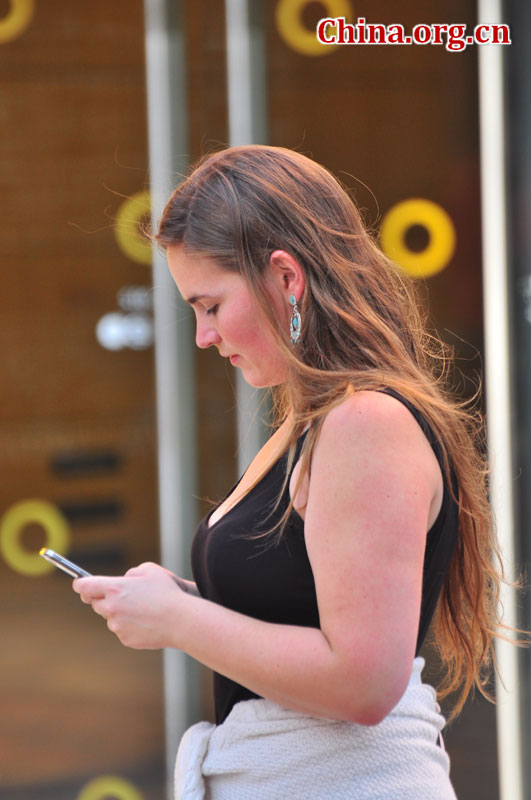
255	332
247	329
244	323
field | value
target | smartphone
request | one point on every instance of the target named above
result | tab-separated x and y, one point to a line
63	563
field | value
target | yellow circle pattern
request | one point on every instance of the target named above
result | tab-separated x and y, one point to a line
12	524
16	20
288	16
441	247
130	240
109	786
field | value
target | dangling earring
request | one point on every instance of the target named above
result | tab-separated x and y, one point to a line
295	321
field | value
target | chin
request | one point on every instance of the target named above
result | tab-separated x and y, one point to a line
256	383
262	381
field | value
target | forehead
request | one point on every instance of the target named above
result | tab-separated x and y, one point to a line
195	273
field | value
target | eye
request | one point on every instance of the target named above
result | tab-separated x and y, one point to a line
212	310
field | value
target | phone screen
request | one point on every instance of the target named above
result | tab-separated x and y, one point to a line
63	563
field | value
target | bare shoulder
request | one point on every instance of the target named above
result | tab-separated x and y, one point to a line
372	415
366	407
370	428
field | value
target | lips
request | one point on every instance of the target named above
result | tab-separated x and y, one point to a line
234	358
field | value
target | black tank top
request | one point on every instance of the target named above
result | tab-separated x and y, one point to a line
275	583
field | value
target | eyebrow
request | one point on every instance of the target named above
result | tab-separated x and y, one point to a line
196	297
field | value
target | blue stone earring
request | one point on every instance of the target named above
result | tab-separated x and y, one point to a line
295	321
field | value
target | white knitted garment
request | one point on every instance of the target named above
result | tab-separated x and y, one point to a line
266	752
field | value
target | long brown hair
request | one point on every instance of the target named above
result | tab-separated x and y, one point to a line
363	327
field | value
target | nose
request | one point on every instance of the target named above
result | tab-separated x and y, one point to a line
206	335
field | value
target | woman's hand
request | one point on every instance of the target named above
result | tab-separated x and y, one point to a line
190	587
138	607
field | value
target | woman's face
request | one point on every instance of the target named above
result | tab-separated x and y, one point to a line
228	317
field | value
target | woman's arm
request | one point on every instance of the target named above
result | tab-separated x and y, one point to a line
284	663
371	486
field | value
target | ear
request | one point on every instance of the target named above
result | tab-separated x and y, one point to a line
287	274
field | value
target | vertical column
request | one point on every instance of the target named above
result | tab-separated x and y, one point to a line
498	381
518	124
174	344
246	92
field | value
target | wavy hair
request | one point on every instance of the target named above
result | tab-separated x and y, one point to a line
363	327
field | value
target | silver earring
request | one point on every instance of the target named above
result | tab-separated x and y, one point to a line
295	321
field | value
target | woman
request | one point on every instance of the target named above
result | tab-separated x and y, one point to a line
362	520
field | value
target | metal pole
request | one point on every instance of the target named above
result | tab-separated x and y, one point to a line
246	90
174	347
498	386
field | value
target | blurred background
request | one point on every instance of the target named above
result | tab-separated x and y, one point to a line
110	460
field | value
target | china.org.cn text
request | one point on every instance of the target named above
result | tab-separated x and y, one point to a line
336	30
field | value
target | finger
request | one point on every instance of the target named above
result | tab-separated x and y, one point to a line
135	572
147	568
99	607
89	600
93	587
113	626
